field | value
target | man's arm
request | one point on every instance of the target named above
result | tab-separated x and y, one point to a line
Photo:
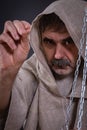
14	47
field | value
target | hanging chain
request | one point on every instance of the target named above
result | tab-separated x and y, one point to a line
79	124
82	41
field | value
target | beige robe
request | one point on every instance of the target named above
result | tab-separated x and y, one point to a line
36	101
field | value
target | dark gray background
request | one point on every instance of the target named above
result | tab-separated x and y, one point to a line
21	9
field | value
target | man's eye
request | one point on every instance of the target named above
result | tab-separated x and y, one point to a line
48	42
68	42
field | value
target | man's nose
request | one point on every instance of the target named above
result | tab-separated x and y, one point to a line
59	52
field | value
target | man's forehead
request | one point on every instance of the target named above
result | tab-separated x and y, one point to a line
51	34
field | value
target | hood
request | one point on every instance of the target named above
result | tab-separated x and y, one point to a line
71	12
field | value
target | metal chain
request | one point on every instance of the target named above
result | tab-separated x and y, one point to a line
79	124
82	41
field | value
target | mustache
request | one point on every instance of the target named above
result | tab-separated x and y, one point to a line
61	63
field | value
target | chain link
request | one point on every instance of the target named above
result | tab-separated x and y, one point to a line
82	41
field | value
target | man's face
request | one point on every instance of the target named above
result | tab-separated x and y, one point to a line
60	51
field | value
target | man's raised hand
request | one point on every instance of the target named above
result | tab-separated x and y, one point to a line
14	43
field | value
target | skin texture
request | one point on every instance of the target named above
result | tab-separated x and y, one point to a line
59	46
14	43
14	48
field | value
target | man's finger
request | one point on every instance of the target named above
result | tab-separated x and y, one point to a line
10	28
6	39
26	25
21	27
